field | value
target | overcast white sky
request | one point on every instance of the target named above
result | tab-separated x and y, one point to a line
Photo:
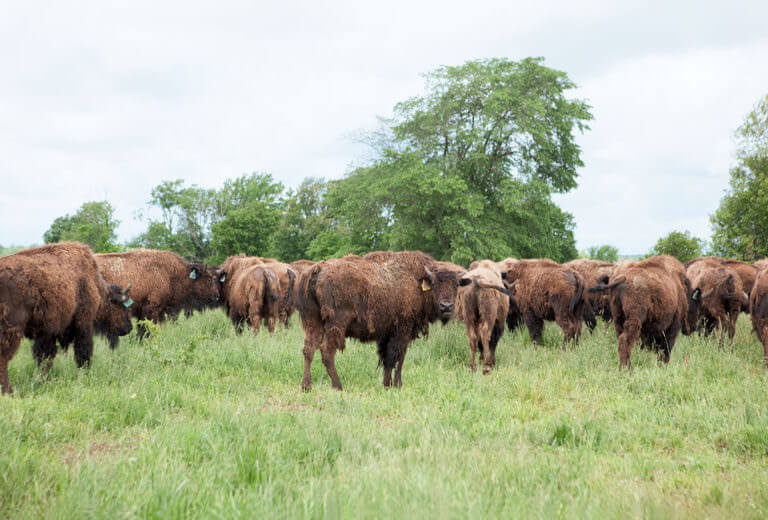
105	101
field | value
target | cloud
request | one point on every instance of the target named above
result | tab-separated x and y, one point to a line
105	101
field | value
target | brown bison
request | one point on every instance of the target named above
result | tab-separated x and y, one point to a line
56	293
482	303
287	279
545	290
761	264
747	272
758	309
593	271
390	301
299	266
253	297
162	284
651	300
722	297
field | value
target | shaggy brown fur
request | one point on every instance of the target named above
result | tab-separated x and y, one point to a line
482	303
253	296
545	290
761	264
287	280
747	272
593	271
301	265
162	284
758	309
56	293
649	301
390	302
722	297
515	316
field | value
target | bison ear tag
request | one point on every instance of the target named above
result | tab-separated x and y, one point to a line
193	274
425	286
128	302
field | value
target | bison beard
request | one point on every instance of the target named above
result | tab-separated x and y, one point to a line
56	293
390	303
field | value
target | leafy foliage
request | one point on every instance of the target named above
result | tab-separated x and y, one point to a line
604	253
681	245
94	223
467	171
740	224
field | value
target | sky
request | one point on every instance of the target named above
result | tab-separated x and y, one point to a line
104	100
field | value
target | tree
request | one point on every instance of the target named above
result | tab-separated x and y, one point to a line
604	253
303	220
94	223
740	223
467	171
681	245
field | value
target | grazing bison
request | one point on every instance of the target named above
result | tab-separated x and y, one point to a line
162	284
651	300
545	290
56	293
722	297
390	301
593	271
758	309
482	303
747	272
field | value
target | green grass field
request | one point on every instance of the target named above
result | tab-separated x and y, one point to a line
200	422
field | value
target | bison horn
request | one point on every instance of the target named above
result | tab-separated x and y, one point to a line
127	288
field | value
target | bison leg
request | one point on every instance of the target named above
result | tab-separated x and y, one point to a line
399	367
535	326
473	344
44	350
626	340
114	341
313	337
496	334
10	339
389	354
485	340
334	340
83	348
764	340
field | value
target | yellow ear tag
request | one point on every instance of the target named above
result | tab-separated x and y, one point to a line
425	286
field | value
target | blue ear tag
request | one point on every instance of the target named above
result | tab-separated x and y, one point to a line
193	275
128	302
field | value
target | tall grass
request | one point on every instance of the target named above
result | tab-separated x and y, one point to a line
201	422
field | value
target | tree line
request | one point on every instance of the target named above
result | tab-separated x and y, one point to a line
465	171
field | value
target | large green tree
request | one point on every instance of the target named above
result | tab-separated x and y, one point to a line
740	224
604	253
682	245
467	170
303	219
94	223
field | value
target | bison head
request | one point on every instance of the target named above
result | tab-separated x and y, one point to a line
442	285
205	287
114	314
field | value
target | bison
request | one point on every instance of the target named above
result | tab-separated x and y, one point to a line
287	279
482	303
253	297
758	309
390	301
651	300
56	293
593	271
545	290
162	284
747	272
722	297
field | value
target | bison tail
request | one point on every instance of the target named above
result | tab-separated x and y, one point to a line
578	295
291	282
606	287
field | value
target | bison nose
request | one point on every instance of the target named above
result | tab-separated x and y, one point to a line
446	307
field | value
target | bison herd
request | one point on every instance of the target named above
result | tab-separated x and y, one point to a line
60	294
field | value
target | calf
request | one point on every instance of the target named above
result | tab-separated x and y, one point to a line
482	303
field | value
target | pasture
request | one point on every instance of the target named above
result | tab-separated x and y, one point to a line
201	422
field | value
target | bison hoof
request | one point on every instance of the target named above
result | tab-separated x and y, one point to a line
486	371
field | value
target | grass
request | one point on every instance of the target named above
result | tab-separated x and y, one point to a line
200	422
